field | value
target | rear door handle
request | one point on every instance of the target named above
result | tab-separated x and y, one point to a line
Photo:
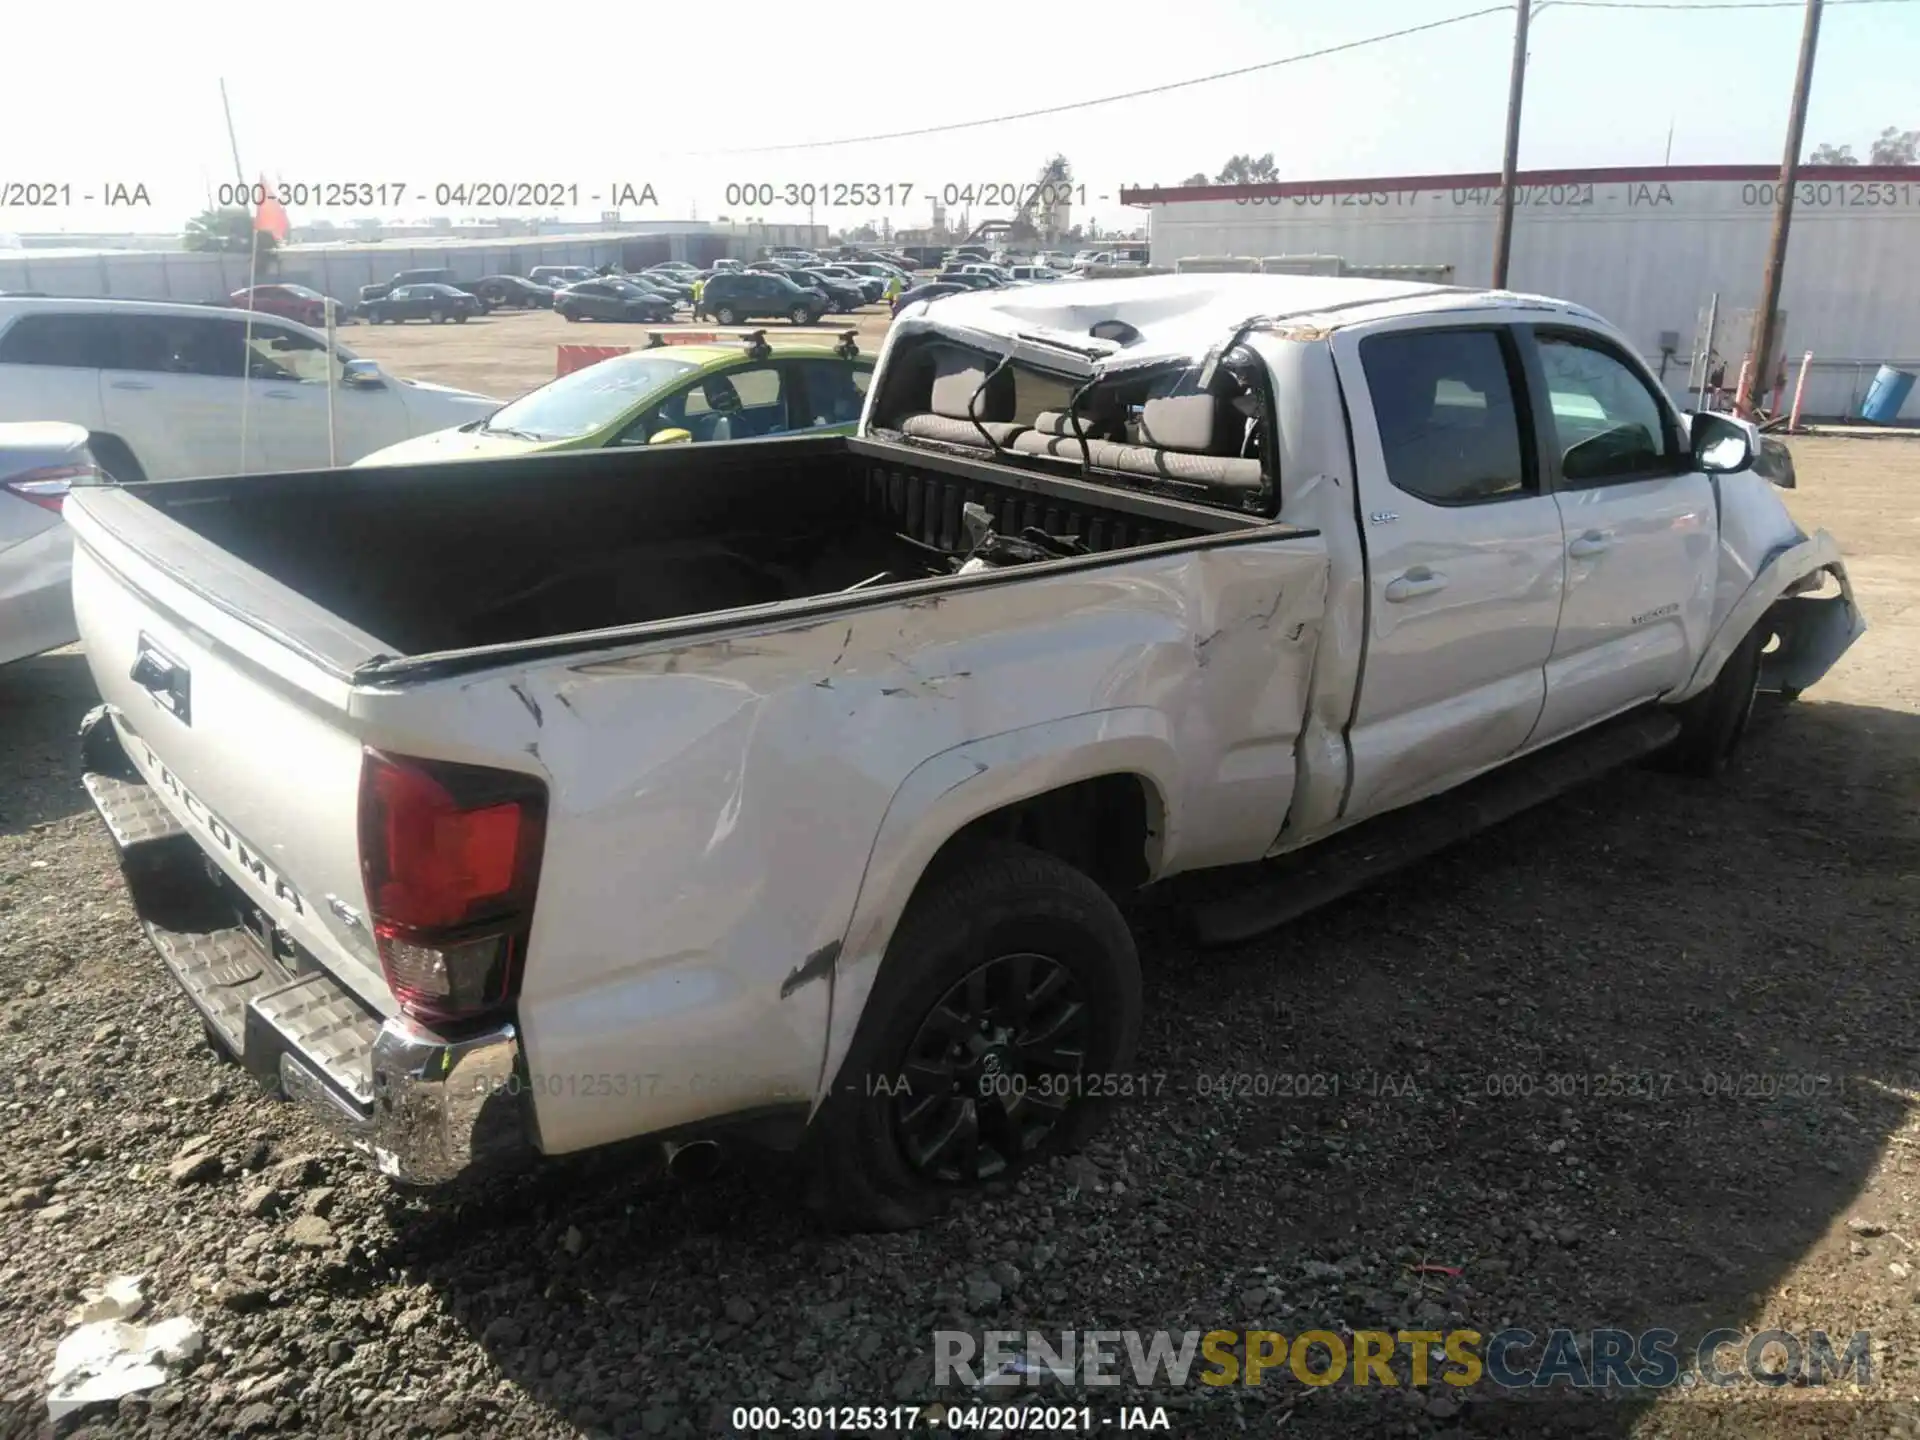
131	385
1594	542
1416	582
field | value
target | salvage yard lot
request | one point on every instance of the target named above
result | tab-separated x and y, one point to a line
507	353
1757	931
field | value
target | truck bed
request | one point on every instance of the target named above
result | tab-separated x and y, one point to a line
745	755
437	558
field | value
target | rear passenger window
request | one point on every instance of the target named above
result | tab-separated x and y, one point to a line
184	345
1449	425
90	342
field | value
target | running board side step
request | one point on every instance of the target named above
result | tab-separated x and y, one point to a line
1236	904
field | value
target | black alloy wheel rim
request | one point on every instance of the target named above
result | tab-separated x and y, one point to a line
992	1069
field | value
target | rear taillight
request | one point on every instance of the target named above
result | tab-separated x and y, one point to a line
451	858
48	486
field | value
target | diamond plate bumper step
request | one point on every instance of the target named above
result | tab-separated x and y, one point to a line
133	813
249	985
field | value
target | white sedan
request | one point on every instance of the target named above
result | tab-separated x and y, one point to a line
169	390
37	464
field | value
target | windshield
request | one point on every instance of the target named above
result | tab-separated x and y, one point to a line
589	399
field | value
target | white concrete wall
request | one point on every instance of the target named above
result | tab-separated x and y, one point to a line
1647	255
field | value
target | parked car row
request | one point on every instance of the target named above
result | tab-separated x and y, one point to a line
852	278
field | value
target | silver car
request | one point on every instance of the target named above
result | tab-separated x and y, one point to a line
39	459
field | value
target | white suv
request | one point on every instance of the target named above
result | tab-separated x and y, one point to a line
159	388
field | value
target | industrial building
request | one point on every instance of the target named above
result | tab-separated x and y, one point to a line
1649	248
340	268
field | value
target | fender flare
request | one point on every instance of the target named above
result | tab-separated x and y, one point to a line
945	792
1822	628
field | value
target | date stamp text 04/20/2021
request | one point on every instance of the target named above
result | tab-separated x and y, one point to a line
990	1418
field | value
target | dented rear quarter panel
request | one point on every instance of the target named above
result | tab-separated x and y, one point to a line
735	825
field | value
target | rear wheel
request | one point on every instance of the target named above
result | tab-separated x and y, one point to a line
461	318
801	315
726	315
571	315
438	317
1004	1017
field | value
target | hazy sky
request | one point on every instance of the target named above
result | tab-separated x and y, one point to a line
591	94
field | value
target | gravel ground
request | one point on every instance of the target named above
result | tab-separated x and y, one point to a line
1762	927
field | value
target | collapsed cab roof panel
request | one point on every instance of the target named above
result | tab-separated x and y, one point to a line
1155	320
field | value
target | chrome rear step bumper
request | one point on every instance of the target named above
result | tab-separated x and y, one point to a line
425	1107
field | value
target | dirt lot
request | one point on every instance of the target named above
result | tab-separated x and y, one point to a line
1760	929
510	351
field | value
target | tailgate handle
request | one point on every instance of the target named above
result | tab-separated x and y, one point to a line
165	678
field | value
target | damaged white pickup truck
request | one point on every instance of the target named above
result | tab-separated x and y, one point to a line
786	788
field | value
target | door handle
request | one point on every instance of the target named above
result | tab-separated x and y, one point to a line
1594	542
281	395
1416	582
131	385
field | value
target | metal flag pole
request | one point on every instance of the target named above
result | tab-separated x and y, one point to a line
253	271
246	354
333	461
234	145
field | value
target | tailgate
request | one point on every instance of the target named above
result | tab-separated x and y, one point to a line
241	731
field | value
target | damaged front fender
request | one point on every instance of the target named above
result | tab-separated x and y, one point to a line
1801	596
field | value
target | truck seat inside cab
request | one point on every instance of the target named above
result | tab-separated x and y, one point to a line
958	400
1185	434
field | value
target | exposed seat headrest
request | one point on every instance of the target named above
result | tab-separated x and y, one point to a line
1181	416
957	379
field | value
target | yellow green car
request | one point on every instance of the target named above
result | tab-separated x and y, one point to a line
665	394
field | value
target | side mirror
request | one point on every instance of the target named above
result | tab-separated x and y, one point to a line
1721	444
670	437
362	375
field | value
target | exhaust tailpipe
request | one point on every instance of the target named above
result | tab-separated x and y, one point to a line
693	1161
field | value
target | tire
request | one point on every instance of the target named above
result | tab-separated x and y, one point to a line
1001	921
801	315
726	315
438	317
461	318
114	457
1713	722
571	315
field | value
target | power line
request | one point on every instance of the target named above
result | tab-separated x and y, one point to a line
1669	5
1703	5
1131	94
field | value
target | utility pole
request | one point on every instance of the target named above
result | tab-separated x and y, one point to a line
1503	242
1761	346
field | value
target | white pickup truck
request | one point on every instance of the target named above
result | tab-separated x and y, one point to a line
791	789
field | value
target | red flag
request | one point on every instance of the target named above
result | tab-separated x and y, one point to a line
271	215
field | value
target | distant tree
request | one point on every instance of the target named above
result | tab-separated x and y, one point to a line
1199	177
1896	147
865	233
1245	170
1832	155
229	230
